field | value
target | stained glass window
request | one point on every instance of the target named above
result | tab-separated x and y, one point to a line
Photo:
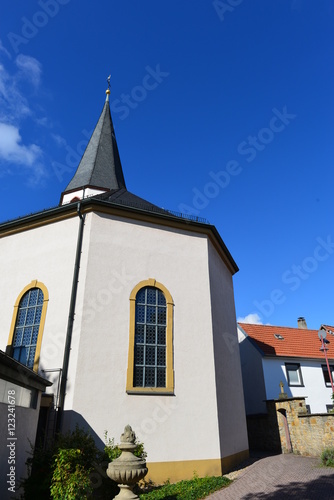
27	326
150	338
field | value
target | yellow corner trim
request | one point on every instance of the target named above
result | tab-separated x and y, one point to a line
160	472
33	284
169	389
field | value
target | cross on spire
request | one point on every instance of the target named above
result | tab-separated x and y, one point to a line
108	89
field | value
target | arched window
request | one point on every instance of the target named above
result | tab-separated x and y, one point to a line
150	338
27	325
150	367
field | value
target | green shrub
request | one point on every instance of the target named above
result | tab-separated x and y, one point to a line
194	489
70	477
112	451
42	463
73	462
327	457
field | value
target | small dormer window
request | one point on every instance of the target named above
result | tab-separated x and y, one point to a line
75	199
278	336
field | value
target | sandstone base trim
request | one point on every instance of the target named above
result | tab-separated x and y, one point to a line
159	472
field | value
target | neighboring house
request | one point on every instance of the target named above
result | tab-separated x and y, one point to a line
20	400
129	310
274	354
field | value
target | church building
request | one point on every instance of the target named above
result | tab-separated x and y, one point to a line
128	309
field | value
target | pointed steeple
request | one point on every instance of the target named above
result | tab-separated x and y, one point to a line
100	168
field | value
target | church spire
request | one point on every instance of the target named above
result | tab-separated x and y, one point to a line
100	168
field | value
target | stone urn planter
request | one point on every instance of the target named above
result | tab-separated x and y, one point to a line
127	469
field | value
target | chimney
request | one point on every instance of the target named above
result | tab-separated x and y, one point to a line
302	323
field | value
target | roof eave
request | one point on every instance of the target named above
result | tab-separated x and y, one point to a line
12	370
88	204
296	356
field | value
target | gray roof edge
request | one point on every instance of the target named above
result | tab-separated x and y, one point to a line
15	372
93	200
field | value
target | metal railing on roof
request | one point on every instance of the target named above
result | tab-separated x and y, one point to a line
151	208
146	207
193	218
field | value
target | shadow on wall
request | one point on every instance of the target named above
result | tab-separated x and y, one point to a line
71	419
263	432
103	487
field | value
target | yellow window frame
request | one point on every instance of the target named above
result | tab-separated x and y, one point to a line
33	284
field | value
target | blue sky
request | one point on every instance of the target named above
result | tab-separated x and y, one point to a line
222	109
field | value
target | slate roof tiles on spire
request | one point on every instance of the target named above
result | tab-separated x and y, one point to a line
100	165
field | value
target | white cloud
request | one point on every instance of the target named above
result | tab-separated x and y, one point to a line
252	318
12	150
43	122
16	156
30	69
13	104
13	101
59	140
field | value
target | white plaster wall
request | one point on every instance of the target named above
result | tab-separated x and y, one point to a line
75	340
116	255
252	375
230	398
318	395
121	254
47	254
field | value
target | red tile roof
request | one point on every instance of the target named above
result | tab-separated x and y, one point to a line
296	342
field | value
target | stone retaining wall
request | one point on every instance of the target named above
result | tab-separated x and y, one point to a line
288	427
310	434
316	432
